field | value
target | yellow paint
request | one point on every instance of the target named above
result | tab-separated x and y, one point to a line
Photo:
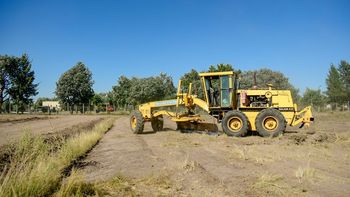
270	123
133	122
211	74
235	124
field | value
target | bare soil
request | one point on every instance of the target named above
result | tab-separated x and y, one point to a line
12	130
6	118
306	162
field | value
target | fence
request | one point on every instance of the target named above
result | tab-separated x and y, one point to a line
65	109
331	107
106	108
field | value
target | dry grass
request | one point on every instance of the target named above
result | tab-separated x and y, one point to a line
181	140
306	174
74	185
240	152
273	185
161	184
343	138
35	169
270	182
253	153
120	185
189	165
22	117
333	116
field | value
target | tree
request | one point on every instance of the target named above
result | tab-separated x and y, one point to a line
267	76
192	77
97	100
314	98
135	91
220	68
120	93
344	72
335	86
74	87
16	80
20	85
6	64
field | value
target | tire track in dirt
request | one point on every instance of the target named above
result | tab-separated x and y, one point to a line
121	151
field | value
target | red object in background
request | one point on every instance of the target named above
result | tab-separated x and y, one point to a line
109	108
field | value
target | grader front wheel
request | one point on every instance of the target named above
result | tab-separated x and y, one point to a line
136	122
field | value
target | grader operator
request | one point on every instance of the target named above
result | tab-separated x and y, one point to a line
267	111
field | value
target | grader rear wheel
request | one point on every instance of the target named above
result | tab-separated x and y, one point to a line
157	123
270	122
136	122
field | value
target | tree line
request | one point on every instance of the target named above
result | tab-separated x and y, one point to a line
134	91
75	86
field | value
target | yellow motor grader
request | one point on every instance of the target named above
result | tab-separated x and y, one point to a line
267	111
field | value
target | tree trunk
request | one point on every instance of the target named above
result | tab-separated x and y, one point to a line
1	103
16	108
71	109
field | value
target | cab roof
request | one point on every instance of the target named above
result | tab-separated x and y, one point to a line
208	74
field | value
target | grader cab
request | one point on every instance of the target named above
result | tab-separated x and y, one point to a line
267	111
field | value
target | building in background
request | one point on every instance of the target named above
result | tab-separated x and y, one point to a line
52	105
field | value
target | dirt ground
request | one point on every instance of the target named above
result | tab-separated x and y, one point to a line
17	124
307	162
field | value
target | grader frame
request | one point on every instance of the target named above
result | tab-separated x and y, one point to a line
267	111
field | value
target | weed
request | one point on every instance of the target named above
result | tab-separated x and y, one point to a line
271	184
240	151
75	186
305	174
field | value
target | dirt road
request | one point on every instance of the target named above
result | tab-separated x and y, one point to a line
14	129
196	164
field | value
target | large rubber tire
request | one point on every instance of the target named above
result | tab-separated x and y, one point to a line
235	123
136	122
270	123
157	123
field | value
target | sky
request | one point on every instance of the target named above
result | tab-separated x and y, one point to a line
141	38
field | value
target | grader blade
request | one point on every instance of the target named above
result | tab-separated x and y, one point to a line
197	126
304	117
